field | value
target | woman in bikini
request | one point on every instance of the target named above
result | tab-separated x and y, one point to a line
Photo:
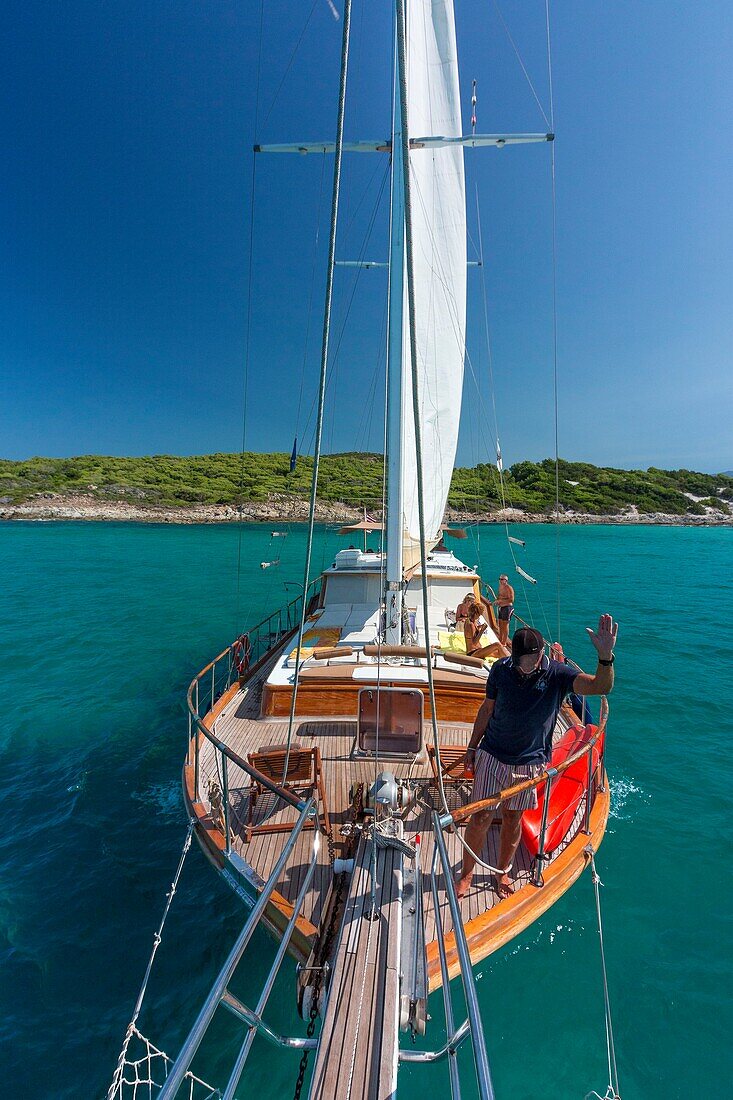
473	629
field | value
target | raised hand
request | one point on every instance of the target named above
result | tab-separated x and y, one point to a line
604	639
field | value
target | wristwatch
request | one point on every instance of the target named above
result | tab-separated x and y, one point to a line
602	662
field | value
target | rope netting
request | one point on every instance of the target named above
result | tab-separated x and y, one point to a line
144	1069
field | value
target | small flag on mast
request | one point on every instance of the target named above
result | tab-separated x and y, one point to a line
294	455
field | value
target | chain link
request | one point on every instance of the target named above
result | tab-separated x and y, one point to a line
313	1013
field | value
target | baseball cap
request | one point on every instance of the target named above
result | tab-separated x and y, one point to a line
527	640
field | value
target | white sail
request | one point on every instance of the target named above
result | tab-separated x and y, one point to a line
439	256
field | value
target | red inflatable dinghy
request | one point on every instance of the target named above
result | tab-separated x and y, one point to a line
568	790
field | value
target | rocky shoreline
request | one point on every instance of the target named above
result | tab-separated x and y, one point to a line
277	509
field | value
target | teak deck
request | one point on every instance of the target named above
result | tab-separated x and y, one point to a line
488	923
357	1053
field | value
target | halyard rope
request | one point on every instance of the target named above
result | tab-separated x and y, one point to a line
402	71
324	363
416	404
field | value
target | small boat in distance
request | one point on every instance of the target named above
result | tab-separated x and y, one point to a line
326	776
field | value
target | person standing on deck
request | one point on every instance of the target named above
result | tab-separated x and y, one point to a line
512	734
505	607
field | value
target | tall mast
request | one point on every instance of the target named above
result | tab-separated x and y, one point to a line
395	342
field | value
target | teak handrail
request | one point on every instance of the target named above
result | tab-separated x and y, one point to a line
327	652
461	658
492	803
398	651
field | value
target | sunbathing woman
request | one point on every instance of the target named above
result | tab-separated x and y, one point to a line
474	628
464	607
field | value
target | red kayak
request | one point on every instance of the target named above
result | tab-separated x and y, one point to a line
568	791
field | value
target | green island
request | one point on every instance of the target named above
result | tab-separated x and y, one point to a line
355	480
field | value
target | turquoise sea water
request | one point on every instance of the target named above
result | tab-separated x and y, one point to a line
102	627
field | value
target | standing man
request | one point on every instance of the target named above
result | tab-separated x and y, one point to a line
512	734
505	607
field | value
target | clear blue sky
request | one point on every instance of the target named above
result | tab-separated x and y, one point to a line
126	191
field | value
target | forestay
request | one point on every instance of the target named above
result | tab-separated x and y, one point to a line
439	258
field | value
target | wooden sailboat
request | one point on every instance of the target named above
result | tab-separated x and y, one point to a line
325	770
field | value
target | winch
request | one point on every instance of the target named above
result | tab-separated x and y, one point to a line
389	793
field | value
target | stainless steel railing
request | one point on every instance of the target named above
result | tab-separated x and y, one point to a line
476	1027
215	679
472	1026
219	993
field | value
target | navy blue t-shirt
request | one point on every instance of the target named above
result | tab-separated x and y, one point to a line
520	729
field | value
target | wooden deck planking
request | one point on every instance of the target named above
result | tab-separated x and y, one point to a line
356	1051
243	731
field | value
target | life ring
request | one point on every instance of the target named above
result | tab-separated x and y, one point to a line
241	653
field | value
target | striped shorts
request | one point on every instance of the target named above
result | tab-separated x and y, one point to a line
492	776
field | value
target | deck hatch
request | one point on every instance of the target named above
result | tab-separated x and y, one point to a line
390	721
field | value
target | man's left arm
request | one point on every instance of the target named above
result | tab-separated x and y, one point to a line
604	640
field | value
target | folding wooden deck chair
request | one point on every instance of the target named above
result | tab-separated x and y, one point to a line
453	764
452	760
304	777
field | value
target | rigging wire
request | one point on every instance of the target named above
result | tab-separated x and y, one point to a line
290	63
492	389
324	364
499	462
554	319
402	71
524	67
400	11
157	939
310	297
612	1092
347	309
247	344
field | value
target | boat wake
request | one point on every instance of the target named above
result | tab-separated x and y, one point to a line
623	792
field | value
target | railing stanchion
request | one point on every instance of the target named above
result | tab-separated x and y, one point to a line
219	989
455	1080
196	763
589	792
225	798
196	727
601	762
270	981
540	857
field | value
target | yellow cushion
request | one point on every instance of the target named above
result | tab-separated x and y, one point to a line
454	642
315	638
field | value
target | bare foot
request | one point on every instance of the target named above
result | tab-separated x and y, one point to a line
463	885
504	886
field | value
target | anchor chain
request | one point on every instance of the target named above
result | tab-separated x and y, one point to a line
317	983
313	1013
